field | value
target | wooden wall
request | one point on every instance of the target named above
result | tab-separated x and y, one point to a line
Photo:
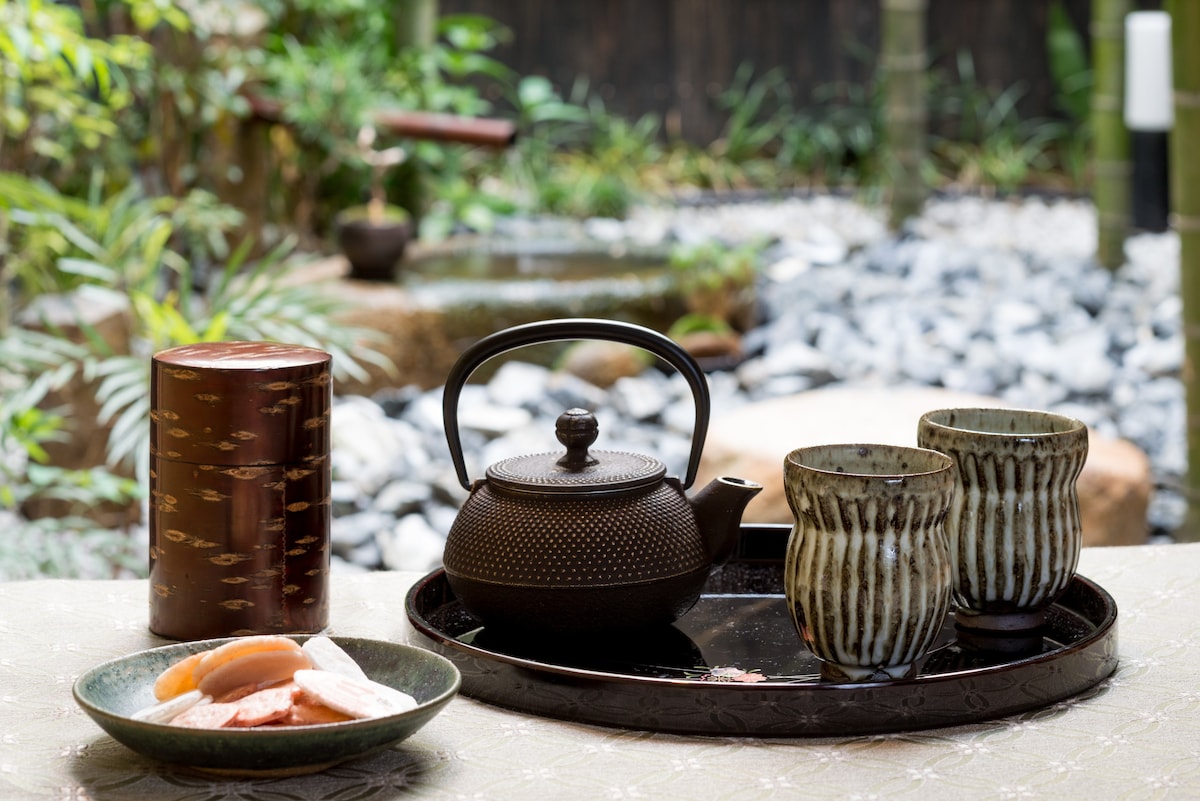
672	57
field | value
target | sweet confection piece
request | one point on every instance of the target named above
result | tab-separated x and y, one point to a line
354	698
265	706
307	712
268	680
325	654
207	716
166	711
179	678
257	670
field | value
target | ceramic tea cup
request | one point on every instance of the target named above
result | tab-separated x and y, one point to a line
1014	526
867	573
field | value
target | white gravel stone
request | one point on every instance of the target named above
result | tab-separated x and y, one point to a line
999	298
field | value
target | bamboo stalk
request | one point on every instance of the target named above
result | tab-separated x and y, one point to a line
1111	183
906	112
416	28
1185	219
416	23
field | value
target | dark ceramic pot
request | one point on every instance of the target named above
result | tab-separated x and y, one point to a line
373	248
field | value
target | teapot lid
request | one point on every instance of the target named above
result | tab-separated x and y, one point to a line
578	470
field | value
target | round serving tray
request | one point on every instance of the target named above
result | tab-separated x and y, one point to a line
735	665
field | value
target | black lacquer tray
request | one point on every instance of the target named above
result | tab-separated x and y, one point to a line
735	665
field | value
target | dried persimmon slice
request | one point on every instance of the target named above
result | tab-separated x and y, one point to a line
178	678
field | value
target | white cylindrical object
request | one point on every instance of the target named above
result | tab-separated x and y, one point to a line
1148	84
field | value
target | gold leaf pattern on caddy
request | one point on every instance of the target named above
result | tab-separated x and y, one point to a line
163	502
183	538
228	559
247	473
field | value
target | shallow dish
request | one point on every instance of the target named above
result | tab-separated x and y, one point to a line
111	692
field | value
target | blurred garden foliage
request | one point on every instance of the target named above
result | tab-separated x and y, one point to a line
132	162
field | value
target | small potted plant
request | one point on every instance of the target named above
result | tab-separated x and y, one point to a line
718	281
718	287
373	237
711	341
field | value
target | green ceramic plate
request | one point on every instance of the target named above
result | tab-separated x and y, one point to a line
110	693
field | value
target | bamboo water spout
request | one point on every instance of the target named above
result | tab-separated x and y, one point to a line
424	125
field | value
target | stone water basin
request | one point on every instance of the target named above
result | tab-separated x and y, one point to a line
447	296
483	288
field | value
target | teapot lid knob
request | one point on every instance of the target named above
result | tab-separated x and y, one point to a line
577	429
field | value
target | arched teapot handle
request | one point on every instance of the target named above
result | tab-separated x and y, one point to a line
519	336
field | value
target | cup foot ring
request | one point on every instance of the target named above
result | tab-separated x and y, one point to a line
1000	622
833	672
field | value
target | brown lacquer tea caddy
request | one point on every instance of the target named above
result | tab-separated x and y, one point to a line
239	489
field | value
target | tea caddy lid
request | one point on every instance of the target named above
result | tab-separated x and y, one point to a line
240	403
579	470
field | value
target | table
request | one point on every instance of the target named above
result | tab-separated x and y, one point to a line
1134	736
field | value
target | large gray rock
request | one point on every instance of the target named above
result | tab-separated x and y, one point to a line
752	441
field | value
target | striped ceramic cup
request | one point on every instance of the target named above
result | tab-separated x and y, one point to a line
867	573
1014	526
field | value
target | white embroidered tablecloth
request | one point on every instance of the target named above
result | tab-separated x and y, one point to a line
1136	736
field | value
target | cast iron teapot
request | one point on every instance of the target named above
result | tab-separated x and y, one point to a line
586	541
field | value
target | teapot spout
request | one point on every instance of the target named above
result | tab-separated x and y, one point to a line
718	509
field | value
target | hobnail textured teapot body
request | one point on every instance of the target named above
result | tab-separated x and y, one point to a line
587	540
632	559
